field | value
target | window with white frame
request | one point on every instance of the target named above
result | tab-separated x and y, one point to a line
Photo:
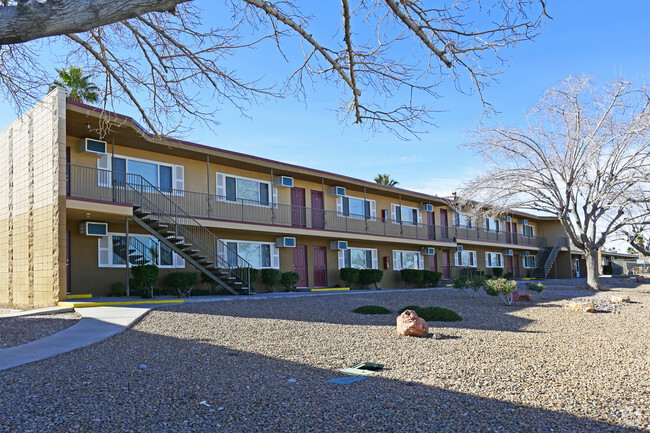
166	177
529	261
259	255
405	214
360	258
356	207
407	260
493	260
246	190
466	259
143	250
492	225
527	230
462	220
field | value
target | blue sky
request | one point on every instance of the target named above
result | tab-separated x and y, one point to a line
600	38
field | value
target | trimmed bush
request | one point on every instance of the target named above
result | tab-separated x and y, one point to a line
508	276
181	282
535	287
608	270
497	272
370	276
412	277
371	309
502	288
434	314
289	280
349	276
144	278
431	278
254	273
116	289
271	277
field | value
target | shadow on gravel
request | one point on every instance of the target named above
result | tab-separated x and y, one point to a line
15	331
485	312
140	382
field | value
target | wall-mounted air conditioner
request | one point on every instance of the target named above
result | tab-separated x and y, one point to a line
428	251
525	253
508	252
459	248
508	219
283	181
338	191
525	222
90	228
426	207
93	146
338	245
285	241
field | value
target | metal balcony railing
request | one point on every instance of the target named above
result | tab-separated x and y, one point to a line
91	183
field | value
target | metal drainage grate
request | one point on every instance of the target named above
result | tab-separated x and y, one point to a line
363	368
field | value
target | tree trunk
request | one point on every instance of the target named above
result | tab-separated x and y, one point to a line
593	273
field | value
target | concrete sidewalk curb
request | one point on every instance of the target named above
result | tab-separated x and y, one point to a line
37	312
97	324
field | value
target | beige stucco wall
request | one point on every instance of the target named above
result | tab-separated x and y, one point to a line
32	200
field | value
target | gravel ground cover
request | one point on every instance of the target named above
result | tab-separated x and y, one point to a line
252	365
20	330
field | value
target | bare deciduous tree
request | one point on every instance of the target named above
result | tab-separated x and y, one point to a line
387	56
583	157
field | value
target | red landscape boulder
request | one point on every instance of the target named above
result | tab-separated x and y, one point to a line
409	323
518	295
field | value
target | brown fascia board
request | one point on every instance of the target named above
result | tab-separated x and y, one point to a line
517	213
199	151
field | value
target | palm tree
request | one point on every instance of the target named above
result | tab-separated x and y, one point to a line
77	85
384	179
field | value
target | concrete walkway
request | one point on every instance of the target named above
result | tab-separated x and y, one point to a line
96	324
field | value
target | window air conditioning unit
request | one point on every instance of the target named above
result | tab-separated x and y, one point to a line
285	241
339	245
508	219
508	252
337	191
426	207
525	222
459	248
525	253
89	228
283	181
428	251
93	146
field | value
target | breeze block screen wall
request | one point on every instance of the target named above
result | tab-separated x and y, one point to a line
32	206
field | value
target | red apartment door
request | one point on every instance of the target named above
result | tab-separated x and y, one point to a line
433	263
514	233
508	233
320	266
317	212
431	222
444	231
446	265
508	264
515	265
298	207
300	264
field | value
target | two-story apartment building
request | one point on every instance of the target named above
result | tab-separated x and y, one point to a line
79	209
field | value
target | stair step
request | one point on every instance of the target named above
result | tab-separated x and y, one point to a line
169	234
183	245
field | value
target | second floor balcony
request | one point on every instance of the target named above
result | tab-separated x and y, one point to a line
102	185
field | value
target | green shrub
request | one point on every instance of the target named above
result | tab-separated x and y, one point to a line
434	314
371	309
145	278
271	277
497	272
349	276
116	289
289	280
412	277
508	276
535	287
181	282
471	272
608	270
502	288
370	276
431	278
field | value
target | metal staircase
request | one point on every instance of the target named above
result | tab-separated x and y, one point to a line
138	253
160	216
547	257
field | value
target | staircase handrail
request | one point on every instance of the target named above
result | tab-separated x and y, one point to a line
559	243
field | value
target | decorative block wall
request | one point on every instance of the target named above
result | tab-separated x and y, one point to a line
32	206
